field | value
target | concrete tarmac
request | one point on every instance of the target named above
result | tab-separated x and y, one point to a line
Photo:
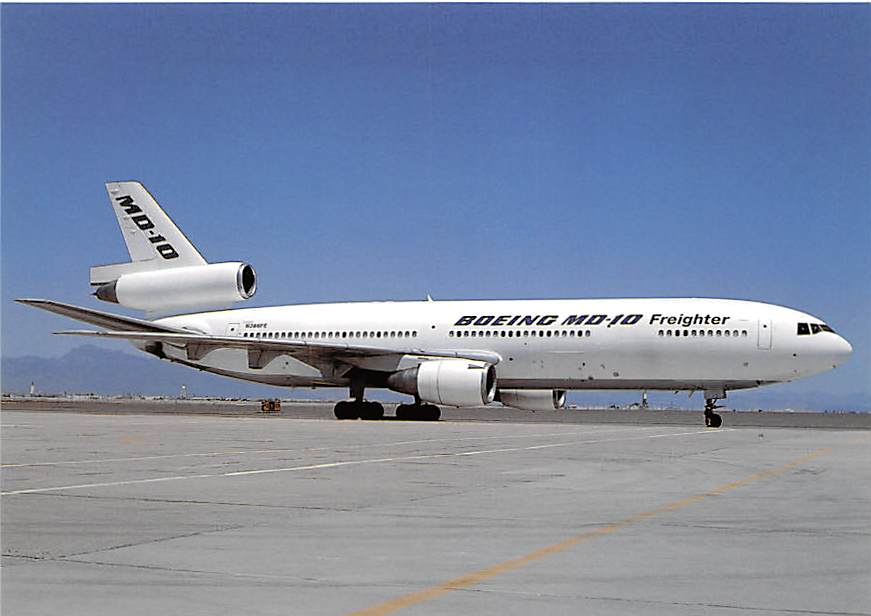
205	514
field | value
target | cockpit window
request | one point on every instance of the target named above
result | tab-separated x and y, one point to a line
806	329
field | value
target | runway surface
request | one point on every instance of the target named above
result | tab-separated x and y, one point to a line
324	410
206	514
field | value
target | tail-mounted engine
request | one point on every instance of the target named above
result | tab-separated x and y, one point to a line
166	272
215	285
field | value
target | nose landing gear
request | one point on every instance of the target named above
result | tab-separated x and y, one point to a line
712	419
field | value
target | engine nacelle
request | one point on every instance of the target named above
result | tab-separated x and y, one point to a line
533	399
454	382
214	284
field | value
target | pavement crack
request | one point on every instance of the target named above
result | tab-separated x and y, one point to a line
153	541
705	604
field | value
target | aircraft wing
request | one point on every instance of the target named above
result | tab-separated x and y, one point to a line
260	351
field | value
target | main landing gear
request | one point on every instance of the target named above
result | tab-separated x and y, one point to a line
418	412
358	409
363	409
712	419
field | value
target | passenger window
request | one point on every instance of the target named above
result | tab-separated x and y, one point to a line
719	332
414	334
744	332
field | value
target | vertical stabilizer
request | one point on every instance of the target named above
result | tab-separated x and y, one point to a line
153	240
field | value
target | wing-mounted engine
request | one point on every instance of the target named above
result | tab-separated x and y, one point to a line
533	399
166	272
455	382
214	284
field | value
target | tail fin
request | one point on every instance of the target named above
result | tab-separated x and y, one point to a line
153	240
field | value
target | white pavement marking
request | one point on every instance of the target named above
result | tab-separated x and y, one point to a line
309	467
289	450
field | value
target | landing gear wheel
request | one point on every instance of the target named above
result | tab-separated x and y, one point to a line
418	412
371	410
404	411
346	410
430	412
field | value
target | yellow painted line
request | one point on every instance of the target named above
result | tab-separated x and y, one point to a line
476	577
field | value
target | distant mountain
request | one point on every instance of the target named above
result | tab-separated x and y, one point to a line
91	369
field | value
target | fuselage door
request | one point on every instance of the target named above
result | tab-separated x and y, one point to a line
232	329
764	334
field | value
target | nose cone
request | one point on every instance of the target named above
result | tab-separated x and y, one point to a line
842	350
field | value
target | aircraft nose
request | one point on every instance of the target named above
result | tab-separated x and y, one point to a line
841	350
845	349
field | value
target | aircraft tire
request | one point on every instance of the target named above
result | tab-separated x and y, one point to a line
346	410
403	411
430	412
415	412
715	421
371	411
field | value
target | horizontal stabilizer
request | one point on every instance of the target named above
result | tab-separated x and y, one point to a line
110	321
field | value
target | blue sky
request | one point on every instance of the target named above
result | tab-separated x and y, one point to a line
355	152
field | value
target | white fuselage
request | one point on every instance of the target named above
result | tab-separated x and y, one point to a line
668	344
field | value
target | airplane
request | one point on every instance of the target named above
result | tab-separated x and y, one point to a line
523	353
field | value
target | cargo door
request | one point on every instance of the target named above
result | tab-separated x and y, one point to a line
764	334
